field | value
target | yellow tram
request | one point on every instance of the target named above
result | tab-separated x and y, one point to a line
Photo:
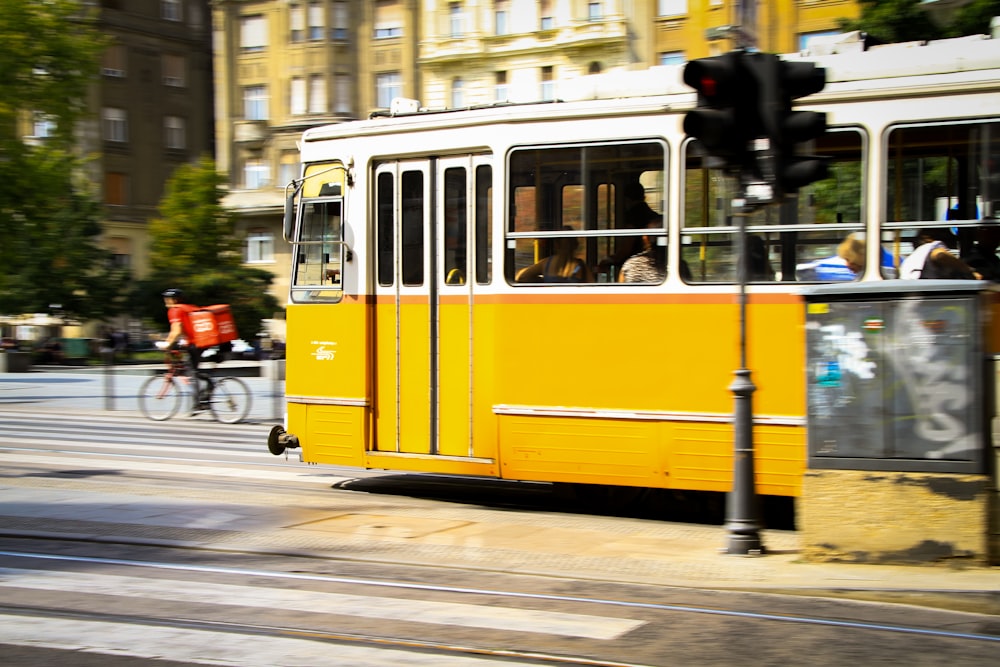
414	345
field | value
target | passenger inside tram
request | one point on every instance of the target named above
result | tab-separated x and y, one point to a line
562	266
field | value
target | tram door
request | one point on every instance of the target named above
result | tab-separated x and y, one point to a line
422	350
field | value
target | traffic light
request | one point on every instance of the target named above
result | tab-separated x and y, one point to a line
779	83
720	121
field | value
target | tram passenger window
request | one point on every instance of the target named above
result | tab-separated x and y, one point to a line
781	237
384	195
484	224
455	226
574	195
412	225
944	175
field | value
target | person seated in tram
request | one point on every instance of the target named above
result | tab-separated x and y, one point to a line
649	265
562	266
848	264
932	258
638	214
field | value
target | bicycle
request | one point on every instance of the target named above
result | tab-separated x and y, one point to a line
161	396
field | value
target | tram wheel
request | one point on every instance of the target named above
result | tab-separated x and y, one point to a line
274	440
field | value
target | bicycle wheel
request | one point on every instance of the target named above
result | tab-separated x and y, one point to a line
230	402
160	397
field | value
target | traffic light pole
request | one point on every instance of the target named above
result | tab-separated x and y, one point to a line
741	505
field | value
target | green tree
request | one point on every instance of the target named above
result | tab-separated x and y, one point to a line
195	248
893	21
49	217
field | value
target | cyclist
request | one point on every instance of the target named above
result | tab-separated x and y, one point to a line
179	315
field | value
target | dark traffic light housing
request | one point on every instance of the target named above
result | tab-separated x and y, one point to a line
779	84
719	122
744	117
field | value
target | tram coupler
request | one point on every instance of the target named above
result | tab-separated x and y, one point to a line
278	440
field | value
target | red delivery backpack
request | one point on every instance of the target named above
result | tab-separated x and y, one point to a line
213	325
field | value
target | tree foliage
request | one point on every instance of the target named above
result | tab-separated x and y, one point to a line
195	248
48	55
893	21
49	217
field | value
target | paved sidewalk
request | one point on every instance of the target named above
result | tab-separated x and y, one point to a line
428	532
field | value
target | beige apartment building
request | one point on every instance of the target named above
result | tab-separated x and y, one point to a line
282	66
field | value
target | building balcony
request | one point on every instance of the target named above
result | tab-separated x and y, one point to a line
611	30
250	134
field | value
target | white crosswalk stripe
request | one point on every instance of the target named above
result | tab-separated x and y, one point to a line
365	606
207	647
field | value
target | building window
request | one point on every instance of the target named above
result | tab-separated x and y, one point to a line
260	247
297	107
501	14
121	251
672	58
253	33
170	10
114	123
388	19
545	19
115	188
316	22
255	103
340	21
500	89
113	61
317	94
342	97
173	70
43	126
825	35
456	19
296	23
174	129
256	174
288	168
548	84
387	87
594	11
594	68
671	7
457	93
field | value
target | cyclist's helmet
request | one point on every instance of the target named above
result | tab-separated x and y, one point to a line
173	293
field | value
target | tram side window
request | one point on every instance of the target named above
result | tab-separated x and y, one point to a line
484	224
412	225
945	176
570	219
319	261
384	196
783	240
455	226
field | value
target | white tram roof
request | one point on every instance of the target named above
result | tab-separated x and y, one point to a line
851	69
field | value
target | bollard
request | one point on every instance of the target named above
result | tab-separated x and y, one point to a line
109	380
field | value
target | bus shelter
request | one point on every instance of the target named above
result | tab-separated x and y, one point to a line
901	404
